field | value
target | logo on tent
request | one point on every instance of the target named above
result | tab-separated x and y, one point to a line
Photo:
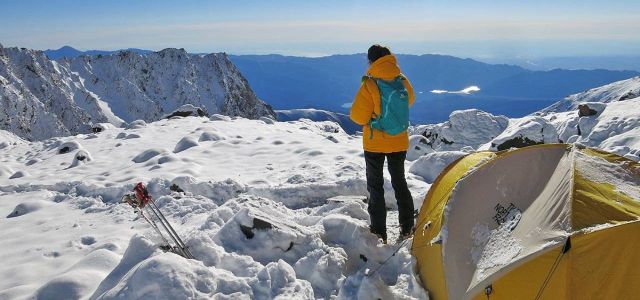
510	214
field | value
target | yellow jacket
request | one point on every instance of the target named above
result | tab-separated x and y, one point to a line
366	106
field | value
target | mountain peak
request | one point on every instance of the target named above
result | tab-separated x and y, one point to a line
68	48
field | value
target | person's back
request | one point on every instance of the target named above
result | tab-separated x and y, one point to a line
379	144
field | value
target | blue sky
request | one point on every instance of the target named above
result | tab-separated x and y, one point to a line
470	28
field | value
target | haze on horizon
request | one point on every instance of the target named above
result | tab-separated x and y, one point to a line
477	29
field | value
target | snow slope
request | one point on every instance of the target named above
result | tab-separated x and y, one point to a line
42	98
305	179
616	91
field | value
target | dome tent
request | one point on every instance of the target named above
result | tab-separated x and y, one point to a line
551	221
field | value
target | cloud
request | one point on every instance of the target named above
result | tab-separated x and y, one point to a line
286	36
465	91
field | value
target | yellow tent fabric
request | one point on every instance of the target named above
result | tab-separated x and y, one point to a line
543	222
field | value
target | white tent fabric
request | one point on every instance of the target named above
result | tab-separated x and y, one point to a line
527	210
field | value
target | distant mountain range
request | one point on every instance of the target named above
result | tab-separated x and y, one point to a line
70	52
329	83
618	62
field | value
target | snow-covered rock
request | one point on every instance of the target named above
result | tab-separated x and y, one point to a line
136	124
81	157
101	127
419	145
430	165
42	98
148	86
524	132
69	146
604	117
614	128
187	110
626	144
469	127
185	143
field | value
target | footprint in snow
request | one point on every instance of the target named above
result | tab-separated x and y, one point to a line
88	240
19	174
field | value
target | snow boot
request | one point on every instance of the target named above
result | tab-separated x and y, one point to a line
380	236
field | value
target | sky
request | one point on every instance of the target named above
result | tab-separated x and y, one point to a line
467	28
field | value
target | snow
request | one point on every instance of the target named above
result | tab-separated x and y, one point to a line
430	165
624	179
68	96
268	210
319	115
493	248
611	124
185	143
7	139
418	146
626	144
529	130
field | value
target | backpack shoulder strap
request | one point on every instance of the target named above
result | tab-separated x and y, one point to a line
365	77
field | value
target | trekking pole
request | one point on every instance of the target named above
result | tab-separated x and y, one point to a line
155	227
387	260
140	212
139	200
171	231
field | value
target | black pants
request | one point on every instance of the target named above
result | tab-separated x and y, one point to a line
375	186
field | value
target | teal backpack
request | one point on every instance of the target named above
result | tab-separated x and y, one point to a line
394	107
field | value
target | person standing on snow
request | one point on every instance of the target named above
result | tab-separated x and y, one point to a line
385	137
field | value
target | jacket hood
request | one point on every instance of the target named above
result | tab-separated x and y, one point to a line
385	67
